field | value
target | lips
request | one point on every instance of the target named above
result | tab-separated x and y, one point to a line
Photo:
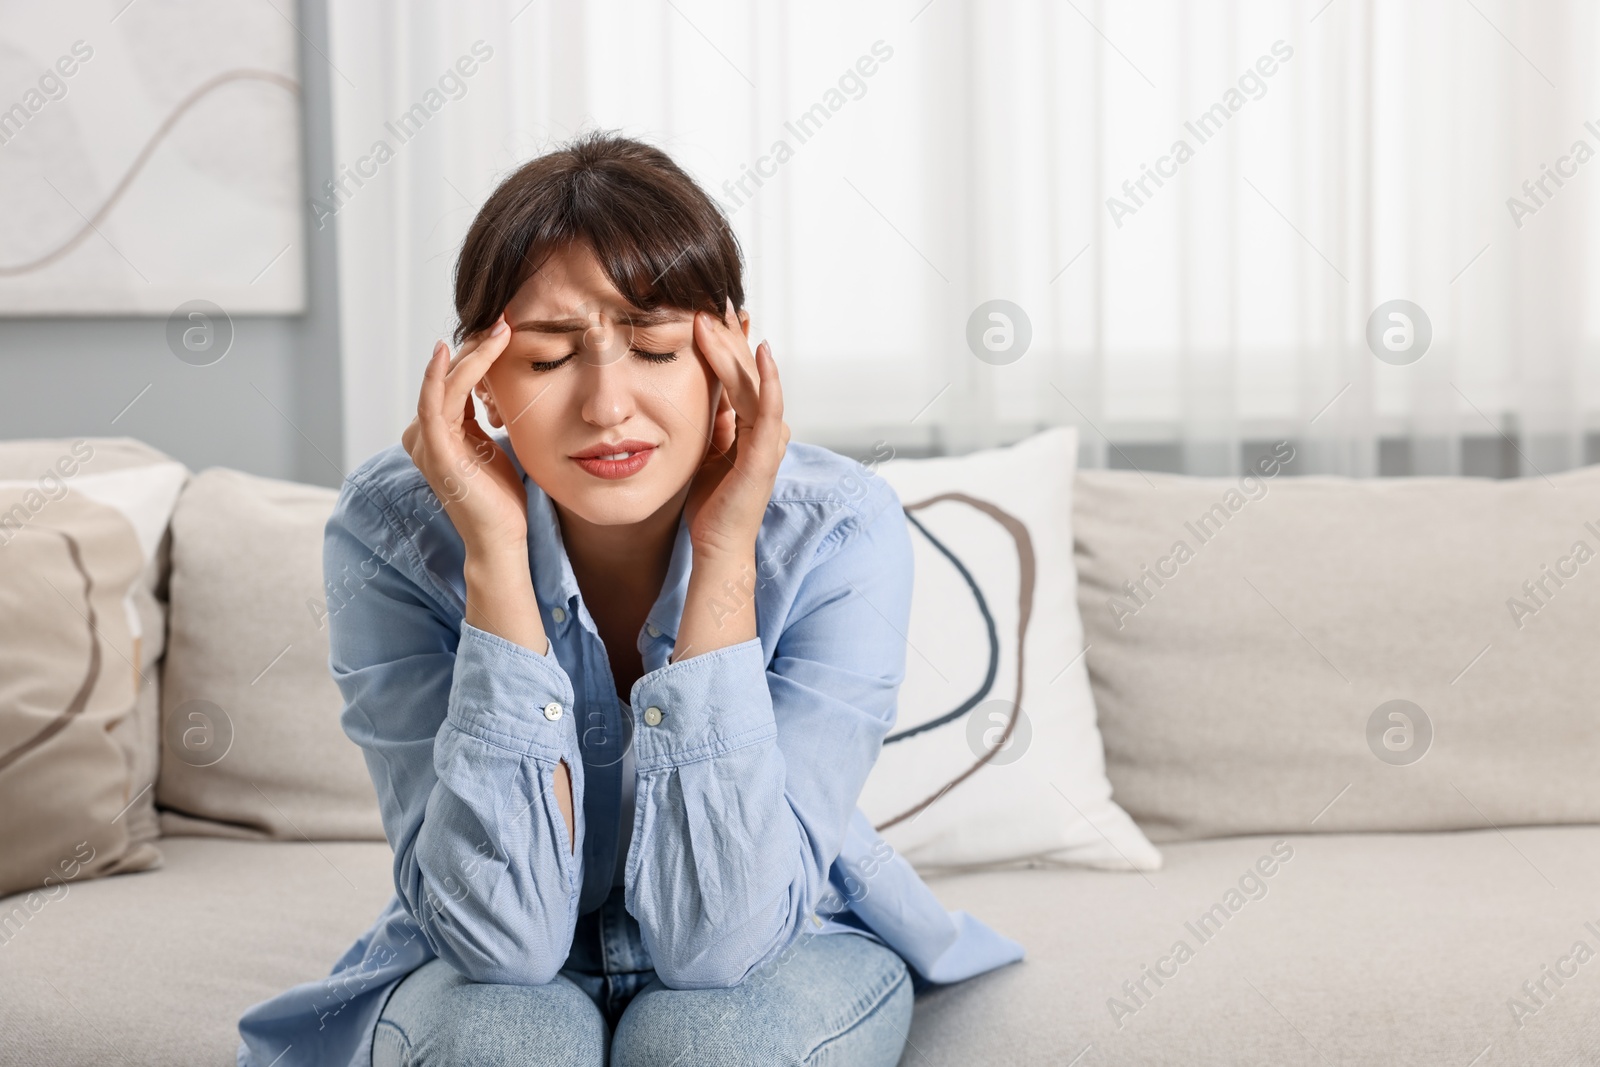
611	448
613	460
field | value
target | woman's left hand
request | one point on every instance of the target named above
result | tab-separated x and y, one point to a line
728	495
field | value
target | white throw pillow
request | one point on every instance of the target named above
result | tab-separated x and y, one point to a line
972	773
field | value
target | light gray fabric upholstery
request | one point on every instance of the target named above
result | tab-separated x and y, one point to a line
1372	949
1394	949
156	967
1236	689
248	648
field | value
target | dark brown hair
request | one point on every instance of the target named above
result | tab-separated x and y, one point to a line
659	238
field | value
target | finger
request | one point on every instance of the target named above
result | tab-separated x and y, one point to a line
724	431
472	342
740	344
474	429
479	443
722	422
767	437
428	397
435	426
469	419
732	366
732	334
471	367
439	430
770	426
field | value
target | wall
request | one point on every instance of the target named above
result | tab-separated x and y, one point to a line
272	406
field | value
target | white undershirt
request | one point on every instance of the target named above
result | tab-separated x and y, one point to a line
625	815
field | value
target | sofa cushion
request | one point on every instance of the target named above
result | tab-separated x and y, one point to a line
1399	949
994	756
1273	653
82	560
253	745
159	966
1393	949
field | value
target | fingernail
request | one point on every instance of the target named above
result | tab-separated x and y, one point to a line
500	327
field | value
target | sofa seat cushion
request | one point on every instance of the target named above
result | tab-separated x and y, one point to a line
158	966
1394	949
1357	948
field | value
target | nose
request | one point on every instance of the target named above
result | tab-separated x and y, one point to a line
607	377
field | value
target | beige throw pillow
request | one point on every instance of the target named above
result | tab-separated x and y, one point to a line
82	539
252	745
1276	654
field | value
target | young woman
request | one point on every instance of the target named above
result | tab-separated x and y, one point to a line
619	673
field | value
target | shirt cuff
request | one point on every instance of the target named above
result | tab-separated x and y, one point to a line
702	706
506	695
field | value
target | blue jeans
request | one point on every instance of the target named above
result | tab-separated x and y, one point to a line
838	999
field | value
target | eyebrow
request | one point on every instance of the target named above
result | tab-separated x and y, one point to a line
638	319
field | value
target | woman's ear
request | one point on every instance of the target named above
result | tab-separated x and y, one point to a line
744	322
486	394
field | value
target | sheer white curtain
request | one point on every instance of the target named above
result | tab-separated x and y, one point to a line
891	167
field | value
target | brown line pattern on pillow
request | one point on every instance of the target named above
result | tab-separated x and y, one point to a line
1025	582
90	677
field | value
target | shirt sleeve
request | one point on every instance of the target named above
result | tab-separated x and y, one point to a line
749	775
454	726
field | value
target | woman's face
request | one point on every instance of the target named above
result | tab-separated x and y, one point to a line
584	370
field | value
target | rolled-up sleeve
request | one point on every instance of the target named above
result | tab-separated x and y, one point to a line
454	726
748	772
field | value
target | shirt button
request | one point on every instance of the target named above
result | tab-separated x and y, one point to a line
552	711
653	630
652	716
558	614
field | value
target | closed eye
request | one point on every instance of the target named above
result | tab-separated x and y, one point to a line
650	357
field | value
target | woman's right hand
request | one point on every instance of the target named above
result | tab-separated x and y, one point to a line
476	481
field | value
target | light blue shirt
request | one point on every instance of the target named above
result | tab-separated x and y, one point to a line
722	792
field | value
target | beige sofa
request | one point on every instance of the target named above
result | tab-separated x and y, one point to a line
1346	887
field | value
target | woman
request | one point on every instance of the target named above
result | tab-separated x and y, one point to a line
619	674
